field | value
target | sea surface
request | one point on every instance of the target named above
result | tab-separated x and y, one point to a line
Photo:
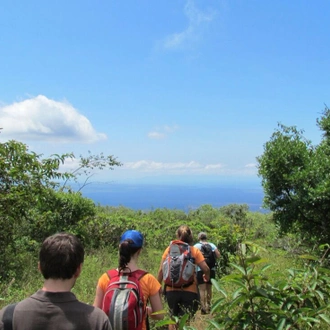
182	197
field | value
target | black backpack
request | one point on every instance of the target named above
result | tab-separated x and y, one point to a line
208	254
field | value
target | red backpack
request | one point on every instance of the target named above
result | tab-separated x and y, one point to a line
123	300
179	265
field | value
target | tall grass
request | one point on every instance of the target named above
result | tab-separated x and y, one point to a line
99	261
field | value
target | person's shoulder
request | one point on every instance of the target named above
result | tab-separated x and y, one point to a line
166	251
92	310
214	247
195	250
198	245
149	279
98	320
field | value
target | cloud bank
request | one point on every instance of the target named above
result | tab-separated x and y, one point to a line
151	166
183	168
41	118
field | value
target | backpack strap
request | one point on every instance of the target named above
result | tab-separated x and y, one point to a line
112	273
139	273
7	318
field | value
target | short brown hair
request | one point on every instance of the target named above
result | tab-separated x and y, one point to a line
60	256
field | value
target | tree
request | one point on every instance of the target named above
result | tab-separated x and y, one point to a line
28	184
296	180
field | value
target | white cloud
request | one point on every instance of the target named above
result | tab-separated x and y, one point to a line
156	135
251	165
189	167
162	132
150	167
196	19
171	129
213	166
40	118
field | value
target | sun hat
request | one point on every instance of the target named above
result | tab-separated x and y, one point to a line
133	235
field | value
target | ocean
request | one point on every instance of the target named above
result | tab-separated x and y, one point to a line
182	197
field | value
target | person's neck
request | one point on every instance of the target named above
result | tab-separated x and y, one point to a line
58	285
132	265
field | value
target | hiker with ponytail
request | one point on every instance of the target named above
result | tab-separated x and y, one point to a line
115	286
178	271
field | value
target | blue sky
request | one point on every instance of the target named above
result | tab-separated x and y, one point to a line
178	90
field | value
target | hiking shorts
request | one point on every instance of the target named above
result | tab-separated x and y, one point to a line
200	277
181	302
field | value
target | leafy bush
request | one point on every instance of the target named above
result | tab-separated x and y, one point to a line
262	301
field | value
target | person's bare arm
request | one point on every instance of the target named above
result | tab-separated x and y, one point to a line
98	297
206	270
160	273
217	253
156	306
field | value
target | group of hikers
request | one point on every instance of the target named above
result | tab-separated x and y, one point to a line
126	296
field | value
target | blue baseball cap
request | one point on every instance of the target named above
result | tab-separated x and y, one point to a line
133	235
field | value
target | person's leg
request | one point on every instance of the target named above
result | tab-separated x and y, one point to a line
202	291
203	295
181	303
208	297
189	303
173	301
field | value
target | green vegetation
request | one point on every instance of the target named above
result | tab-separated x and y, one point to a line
296	181
273	272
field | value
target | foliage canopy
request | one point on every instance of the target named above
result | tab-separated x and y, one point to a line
296	180
33	204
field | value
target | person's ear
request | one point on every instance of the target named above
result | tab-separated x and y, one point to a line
78	271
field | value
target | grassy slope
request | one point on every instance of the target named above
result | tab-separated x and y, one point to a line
99	261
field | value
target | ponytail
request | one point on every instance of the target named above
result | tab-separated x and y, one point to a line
125	253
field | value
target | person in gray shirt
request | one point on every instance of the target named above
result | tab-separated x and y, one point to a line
55	307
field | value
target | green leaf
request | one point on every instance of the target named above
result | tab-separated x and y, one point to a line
262	292
165	322
240	283
260	261
218	288
241	269
265	267
253	259
325	318
163	311
216	324
320	294
308	257
281	324
217	304
183	321
237	300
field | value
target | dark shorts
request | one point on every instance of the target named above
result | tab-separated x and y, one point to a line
200	277
181	302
